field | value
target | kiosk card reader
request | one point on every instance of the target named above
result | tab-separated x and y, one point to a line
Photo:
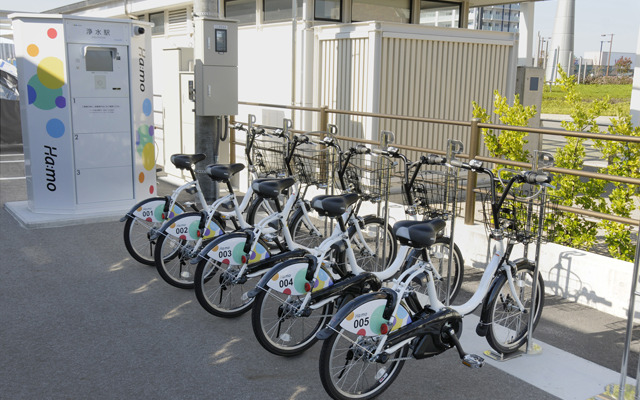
87	112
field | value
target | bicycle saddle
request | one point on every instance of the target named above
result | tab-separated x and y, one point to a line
222	172
333	205
271	188
185	161
418	234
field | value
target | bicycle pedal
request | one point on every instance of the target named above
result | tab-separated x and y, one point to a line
473	361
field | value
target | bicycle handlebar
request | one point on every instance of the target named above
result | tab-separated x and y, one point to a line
536	177
361	149
433	159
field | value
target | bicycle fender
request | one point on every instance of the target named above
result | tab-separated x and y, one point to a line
186	226
228	249
364	316
151	210
289	277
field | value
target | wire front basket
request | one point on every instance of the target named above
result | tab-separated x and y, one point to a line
268	156
521	214
367	175
312	165
435	193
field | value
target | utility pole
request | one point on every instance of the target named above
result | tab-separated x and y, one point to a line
610	46
208	130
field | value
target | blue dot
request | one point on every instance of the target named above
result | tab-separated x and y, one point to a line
31	94
146	107
55	128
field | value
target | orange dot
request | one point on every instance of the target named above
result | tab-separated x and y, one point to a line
141	177
33	50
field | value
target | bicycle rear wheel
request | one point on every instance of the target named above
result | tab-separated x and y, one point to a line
172	258
508	326
136	239
221	291
277	327
347	371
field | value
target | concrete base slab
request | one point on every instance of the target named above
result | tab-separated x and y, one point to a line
30	220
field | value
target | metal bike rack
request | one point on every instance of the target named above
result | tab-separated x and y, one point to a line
627	343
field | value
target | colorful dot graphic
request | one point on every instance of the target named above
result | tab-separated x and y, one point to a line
148	156
146	107
52	33
51	72
43	97
33	50
55	128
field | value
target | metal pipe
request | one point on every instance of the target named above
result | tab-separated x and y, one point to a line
631	312
470	201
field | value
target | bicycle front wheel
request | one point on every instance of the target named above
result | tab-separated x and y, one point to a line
309	231
373	243
439	256
280	328
508	326
347	370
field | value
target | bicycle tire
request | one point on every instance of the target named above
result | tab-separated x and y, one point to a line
371	226
340	356
173	254
508	326
301	231
136	235
210	281
278	330
439	256
258	209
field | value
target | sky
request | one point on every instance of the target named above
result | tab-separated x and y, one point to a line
593	19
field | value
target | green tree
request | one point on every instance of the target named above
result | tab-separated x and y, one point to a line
578	231
623	160
623	65
506	144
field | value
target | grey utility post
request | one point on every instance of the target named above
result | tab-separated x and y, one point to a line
216	77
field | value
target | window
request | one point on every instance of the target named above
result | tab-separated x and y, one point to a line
381	10
243	11
158	23
329	10
435	13
280	10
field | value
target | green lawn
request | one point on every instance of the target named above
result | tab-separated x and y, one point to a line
619	98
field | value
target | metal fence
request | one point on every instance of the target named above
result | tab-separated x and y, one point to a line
474	151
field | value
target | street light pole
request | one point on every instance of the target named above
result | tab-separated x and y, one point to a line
610	46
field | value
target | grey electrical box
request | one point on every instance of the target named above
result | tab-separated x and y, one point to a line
216	67
529	86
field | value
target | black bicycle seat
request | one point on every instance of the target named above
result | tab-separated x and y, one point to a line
418	234
185	161
271	188
222	172
333	206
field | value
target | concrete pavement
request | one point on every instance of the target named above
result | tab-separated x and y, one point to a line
79	318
